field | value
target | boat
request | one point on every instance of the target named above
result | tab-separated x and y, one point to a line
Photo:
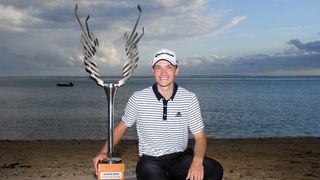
70	84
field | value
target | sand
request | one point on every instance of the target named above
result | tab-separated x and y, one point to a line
267	158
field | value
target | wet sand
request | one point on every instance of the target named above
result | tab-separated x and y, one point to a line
266	158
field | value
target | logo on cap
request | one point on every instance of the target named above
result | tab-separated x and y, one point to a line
165	54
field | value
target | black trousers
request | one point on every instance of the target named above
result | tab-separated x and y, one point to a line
175	167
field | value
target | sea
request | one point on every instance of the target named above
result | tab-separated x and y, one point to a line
35	108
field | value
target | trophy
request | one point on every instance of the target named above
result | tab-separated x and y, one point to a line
111	167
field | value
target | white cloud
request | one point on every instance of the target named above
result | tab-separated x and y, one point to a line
15	19
108	56
235	21
180	6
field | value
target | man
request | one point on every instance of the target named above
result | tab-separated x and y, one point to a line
164	113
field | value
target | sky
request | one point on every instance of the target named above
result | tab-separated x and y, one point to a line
216	37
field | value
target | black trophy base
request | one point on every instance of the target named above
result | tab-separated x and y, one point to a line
112	160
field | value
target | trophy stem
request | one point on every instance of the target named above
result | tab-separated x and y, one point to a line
110	90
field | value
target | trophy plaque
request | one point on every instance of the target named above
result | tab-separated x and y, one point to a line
111	167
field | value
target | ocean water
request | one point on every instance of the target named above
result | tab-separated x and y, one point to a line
232	106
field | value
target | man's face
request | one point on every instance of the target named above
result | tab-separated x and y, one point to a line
164	73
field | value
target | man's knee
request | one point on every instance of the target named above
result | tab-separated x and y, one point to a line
213	169
150	170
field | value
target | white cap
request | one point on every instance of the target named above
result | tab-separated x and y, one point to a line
165	54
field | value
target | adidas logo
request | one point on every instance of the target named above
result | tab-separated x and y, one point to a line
178	114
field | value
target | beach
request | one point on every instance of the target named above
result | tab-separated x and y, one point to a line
256	158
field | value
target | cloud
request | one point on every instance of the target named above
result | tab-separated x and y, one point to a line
308	47
174	20
235	21
24	53
16	20
289	62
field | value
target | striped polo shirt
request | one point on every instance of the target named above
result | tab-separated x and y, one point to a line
163	125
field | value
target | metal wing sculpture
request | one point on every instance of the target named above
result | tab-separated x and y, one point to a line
90	44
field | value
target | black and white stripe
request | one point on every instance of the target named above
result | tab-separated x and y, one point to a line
159	136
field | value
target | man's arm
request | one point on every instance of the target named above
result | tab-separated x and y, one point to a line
196	170
118	133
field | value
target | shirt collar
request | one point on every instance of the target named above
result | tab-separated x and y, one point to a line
159	96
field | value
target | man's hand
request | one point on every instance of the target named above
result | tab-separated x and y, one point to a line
196	171
96	160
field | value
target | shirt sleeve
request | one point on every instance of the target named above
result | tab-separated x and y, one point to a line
130	113
195	121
